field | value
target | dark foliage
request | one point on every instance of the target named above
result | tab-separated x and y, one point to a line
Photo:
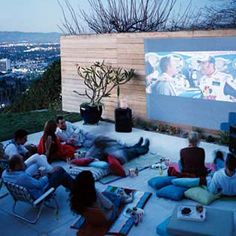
43	93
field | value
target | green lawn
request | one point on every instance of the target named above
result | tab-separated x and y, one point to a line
31	121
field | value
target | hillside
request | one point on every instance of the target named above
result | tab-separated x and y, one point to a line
19	37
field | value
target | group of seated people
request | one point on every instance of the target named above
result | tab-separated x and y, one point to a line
60	140
30	166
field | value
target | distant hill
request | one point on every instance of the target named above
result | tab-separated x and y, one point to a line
18	37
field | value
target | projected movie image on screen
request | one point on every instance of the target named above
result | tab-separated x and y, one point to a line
207	75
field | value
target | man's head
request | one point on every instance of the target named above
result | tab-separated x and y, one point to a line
207	65
152	58
16	163
20	136
61	124
193	139
168	65
230	164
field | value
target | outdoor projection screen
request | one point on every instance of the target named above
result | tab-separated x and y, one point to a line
191	81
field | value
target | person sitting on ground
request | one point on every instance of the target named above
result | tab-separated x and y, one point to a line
82	198
224	180
17	145
36	187
192	158
51	146
70	134
219	160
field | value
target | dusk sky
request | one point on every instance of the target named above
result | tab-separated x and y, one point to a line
45	15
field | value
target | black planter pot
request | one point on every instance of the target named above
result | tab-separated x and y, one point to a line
90	114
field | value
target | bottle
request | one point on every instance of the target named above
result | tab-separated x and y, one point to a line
160	170
136	171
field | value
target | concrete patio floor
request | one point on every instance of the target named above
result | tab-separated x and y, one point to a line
156	209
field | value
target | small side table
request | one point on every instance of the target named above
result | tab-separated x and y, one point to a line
123	120
217	223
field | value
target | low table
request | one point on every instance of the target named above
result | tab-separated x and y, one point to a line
217	223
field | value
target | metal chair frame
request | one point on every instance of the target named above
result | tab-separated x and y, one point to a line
20	193
3	166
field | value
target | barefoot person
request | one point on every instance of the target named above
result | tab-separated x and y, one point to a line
101	146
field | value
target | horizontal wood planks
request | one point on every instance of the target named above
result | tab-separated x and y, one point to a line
124	50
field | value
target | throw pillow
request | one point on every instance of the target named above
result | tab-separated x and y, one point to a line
99	164
201	195
115	166
160	181
186	182
172	192
82	161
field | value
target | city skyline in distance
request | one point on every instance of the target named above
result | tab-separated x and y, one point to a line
46	15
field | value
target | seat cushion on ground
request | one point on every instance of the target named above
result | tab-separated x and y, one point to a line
99	164
161	228
115	166
82	161
160	181
201	195
186	182
172	192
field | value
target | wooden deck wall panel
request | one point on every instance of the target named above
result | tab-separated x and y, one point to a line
124	50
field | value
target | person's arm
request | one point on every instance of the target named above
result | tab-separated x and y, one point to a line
11	150
214	186
231	81
181	162
29	182
48	145
60	135
106	203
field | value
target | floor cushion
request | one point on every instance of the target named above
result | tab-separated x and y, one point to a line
172	192
186	182
201	195
160	181
115	166
99	164
161	228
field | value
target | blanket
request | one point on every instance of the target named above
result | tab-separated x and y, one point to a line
75	170
142	163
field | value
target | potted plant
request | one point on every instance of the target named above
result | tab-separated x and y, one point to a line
100	79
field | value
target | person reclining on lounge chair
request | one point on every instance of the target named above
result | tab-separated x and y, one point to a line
99	147
224	180
17	174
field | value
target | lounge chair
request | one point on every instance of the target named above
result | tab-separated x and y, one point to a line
20	193
3	166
